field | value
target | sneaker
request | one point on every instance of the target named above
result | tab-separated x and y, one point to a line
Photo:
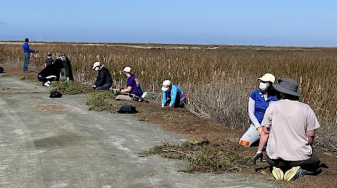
293	173
46	84
278	173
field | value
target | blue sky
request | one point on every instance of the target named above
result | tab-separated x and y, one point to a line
234	22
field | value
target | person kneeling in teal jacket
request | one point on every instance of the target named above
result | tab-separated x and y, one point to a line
173	96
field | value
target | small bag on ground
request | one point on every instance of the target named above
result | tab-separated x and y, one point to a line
55	94
127	109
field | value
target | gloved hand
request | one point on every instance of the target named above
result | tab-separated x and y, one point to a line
258	155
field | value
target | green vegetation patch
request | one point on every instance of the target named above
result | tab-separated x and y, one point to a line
99	95
67	88
5	75
24	78
202	157
97	101
166	116
143	119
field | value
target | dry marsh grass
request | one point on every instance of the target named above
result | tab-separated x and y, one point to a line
218	81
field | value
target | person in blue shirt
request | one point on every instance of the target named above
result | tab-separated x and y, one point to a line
27	52
259	101
173	96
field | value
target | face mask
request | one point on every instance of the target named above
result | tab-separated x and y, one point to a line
96	68
263	86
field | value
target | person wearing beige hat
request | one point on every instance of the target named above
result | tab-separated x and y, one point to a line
173	96
259	101
133	91
289	126
104	78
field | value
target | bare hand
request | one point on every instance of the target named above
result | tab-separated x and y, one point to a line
259	129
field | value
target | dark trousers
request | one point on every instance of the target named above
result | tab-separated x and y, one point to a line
46	79
177	103
311	165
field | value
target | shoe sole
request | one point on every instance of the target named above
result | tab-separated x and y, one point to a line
293	173
278	173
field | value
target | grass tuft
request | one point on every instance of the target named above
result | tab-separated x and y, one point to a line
143	119
67	88
97	101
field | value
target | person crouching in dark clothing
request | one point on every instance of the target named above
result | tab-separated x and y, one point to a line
66	64
50	73
104	79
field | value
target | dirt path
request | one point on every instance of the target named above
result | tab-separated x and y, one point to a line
48	142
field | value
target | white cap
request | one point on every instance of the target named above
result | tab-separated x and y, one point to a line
96	64
127	69
166	85
267	78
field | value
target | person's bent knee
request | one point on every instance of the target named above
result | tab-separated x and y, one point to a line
124	97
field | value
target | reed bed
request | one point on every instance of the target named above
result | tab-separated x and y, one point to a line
218	81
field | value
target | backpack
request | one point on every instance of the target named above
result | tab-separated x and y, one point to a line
127	109
55	94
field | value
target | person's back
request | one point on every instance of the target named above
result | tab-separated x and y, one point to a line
290	122
49	61
105	75
136	89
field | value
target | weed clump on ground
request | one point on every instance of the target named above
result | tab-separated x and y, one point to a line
66	88
166	116
24	78
5	75
202	157
97	101
97	96
144	118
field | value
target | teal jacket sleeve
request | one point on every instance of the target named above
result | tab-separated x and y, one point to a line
174	93
163	101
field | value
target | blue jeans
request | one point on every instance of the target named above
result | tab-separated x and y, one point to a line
26	63
104	87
